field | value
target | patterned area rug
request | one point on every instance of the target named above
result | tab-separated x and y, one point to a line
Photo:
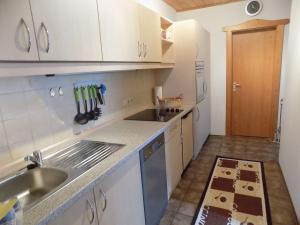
235	195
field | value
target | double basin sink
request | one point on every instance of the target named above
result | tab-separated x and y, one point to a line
60	168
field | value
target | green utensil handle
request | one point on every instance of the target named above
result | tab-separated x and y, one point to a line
84	93
94	92
76	94
91	92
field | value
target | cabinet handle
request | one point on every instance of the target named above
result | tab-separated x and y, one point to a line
28	34
205	88
198	112
139	50
145	50
92	210
105	200
48	39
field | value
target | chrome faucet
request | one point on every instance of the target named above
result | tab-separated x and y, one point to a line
36	158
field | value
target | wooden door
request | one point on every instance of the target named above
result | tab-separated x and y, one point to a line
120	32
17	37
67	30
254	52
150	35
252	92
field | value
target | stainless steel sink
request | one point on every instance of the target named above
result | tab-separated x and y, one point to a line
32	185
58	170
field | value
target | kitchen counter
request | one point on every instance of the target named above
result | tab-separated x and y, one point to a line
133	134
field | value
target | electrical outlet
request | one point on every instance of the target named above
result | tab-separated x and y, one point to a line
130	100
127	101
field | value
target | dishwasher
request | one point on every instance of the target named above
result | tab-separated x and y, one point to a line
154	180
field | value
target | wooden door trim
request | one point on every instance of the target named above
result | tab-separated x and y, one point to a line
252	25
256	25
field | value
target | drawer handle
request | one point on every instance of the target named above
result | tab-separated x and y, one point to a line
47	33
92	210
145	50
105	200
28	34
139	50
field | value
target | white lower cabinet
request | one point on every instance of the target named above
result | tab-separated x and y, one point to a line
117	199
82	212
173	148
187	139
119	196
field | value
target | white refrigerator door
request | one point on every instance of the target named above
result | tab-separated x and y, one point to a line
200	81
201	125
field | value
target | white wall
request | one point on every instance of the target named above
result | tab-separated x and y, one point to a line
160	7
290	144
214	19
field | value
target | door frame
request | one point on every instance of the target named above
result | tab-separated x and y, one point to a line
253	25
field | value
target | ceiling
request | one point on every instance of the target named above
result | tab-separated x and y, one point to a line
184	5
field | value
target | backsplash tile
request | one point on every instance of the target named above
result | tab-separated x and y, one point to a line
12	106
30	119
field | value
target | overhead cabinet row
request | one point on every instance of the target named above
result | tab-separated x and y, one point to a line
78	30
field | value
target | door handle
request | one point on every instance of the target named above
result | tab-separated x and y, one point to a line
235	86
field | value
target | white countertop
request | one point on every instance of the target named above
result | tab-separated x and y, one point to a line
133	134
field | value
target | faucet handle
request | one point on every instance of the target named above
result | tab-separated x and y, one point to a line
38	157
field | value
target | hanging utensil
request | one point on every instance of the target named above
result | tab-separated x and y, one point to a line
100	93
79	118
97	110
92	114
85	100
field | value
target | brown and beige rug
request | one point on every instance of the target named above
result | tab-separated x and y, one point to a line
235	195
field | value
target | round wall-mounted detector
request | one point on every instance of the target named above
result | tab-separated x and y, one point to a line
253	7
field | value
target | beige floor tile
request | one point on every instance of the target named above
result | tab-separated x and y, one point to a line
180	219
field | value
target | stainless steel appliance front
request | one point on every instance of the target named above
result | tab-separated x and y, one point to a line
154	179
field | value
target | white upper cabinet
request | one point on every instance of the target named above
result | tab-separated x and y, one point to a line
67	30
150	35
120	32
17	37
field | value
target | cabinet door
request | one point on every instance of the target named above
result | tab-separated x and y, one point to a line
120	34
174	158
67	30
17	37
82	212
187	139
150	35
119	196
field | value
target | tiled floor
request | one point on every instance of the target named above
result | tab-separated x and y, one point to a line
186	196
